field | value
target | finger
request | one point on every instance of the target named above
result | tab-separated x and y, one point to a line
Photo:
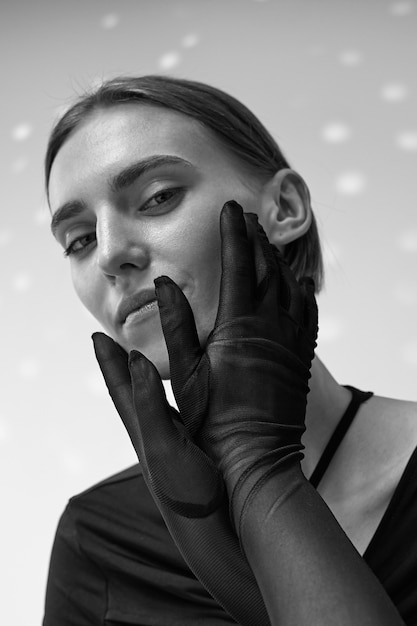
237	287
113	362
111	357
180	332
181	476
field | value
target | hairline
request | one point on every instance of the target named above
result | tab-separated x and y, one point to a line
247	175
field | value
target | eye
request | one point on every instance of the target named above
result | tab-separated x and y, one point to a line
79	244
163	199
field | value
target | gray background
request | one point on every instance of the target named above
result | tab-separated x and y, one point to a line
336	83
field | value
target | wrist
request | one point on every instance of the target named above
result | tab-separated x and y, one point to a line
277	478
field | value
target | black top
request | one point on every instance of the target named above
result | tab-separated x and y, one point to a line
113	561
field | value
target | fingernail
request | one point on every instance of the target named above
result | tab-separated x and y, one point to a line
163	280
232	205
134	357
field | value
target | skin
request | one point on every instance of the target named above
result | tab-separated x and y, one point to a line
176	234
167	223
132	236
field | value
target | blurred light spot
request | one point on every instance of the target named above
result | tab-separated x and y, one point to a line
406	293
19	165
21	132
394	92
29	368
5	237
169	60
189	41
330	328
336	132
350	58
407	140
401	8
408	241
409	352
21	282
109	21
350	183
95	384
71	462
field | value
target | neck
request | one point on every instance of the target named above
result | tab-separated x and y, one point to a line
326	403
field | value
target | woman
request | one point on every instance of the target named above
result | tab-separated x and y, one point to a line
139	176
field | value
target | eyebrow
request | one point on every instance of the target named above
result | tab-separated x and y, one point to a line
125	178
66	212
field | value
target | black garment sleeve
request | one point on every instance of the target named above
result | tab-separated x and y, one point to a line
114	563
76	588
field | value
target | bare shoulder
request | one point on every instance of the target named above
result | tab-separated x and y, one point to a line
382	437
386	426
368	465
379	443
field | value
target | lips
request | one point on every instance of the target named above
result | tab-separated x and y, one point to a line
133	303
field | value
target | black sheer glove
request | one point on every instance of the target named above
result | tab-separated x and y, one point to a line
186	486
243	396
242	399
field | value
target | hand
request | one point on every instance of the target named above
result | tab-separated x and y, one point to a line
185	484
243	395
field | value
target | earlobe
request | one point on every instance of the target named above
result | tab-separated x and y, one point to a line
286	207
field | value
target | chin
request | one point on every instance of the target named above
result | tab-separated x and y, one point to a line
156	353
163	370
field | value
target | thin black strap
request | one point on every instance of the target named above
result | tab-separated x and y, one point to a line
358	397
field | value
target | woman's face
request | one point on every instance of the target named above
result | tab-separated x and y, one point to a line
136	192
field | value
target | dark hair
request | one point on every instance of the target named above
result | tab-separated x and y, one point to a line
233	124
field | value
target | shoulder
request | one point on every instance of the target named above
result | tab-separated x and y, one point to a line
127	476
369	465
115	520
122	499
381	439
378	444
117	509
385	439
385	433
112	493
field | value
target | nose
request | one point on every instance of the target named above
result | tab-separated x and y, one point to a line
121	245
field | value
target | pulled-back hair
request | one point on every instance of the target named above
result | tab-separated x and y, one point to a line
236	128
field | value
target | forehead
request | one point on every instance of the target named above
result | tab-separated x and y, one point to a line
111	139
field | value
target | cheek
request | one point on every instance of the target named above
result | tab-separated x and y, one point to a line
199	244
87	291
199	253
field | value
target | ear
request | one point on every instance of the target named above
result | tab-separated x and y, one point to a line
285	211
